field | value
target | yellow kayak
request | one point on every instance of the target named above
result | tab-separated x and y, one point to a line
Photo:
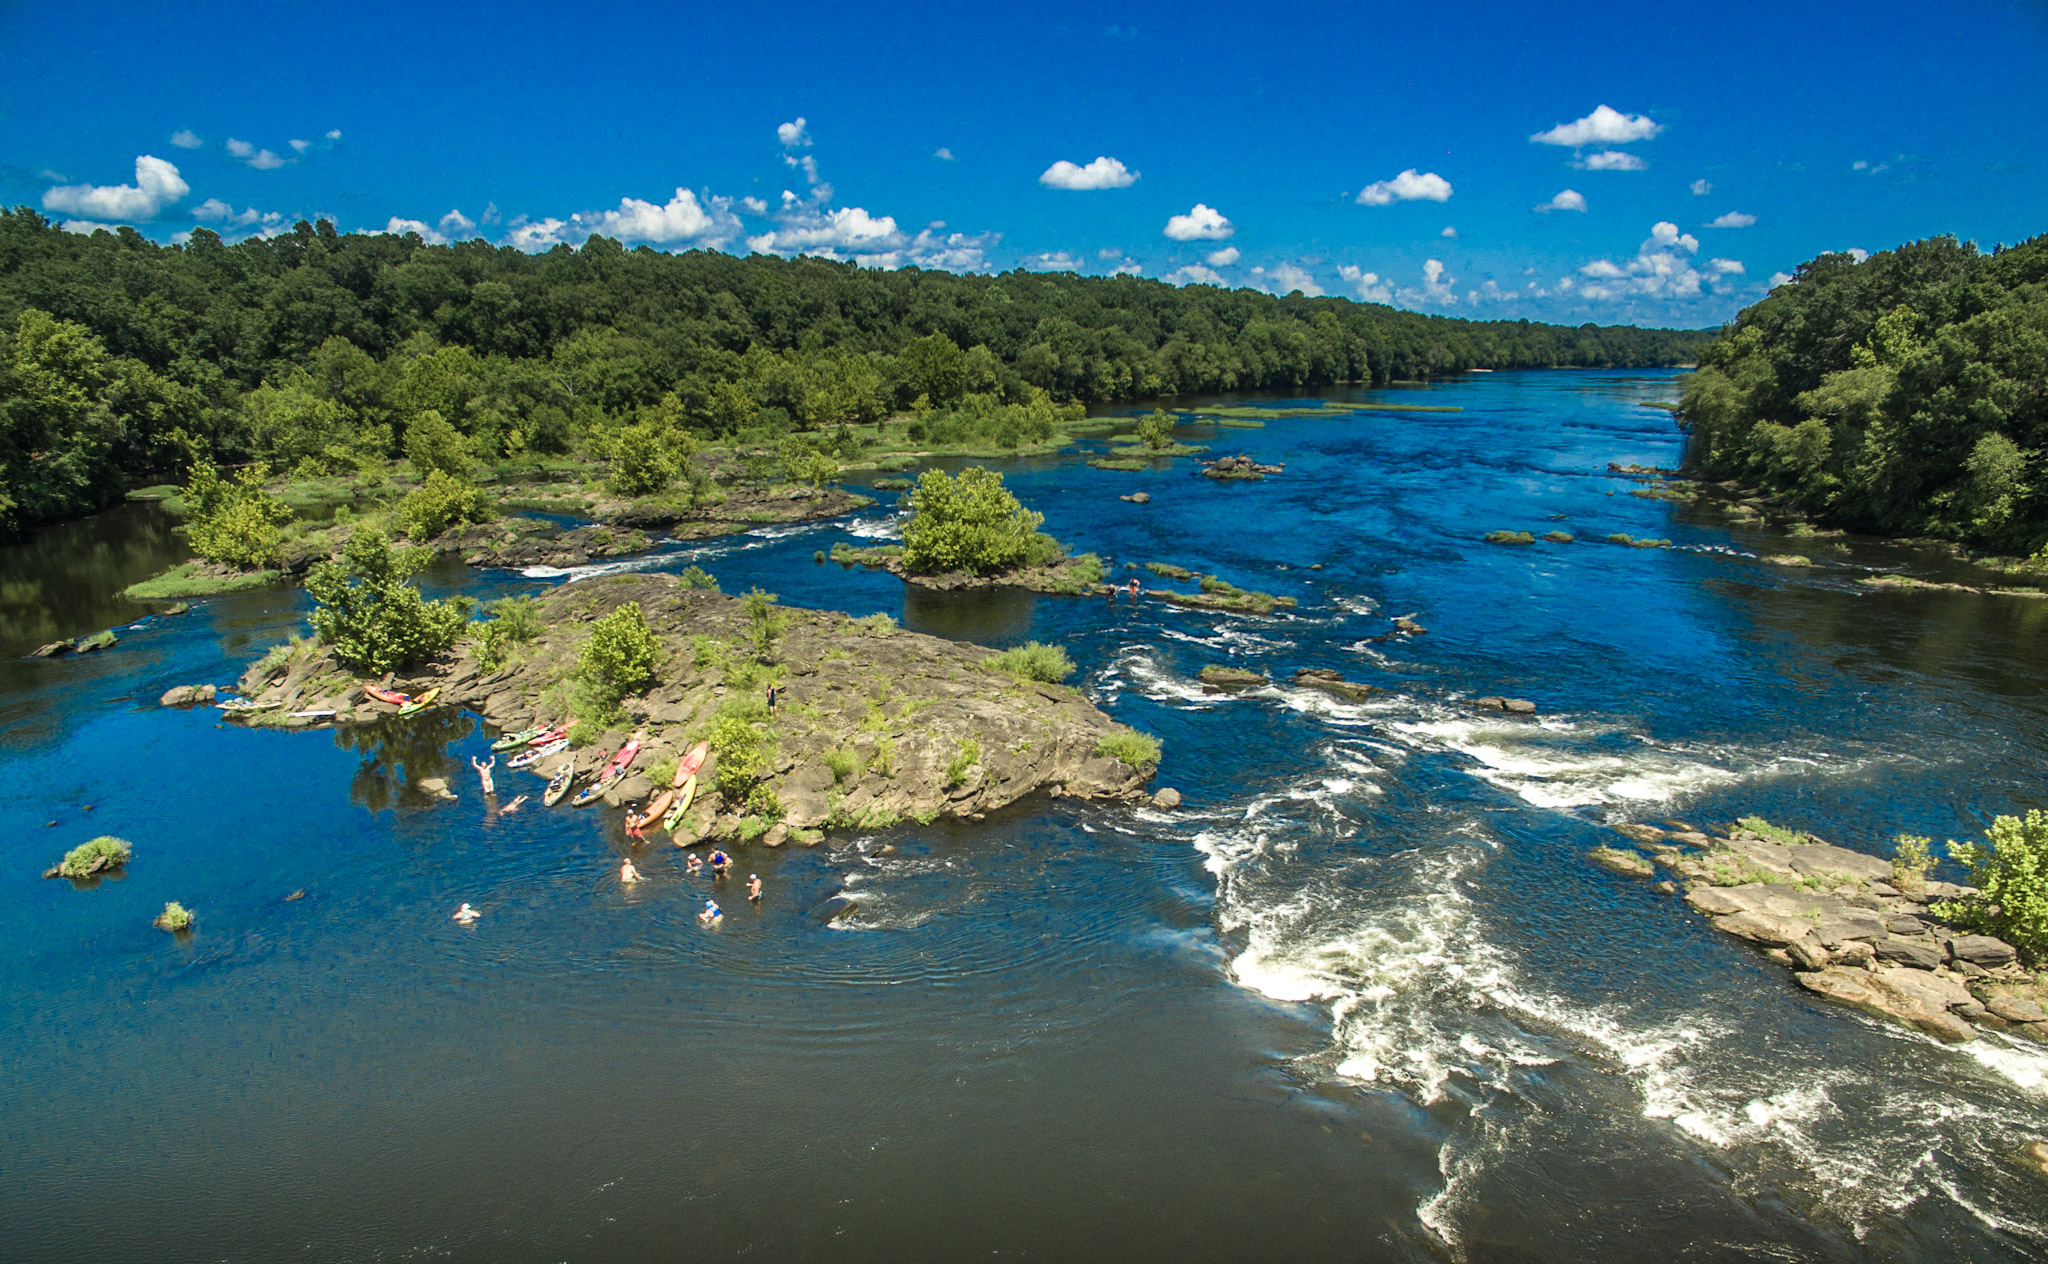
422	702
675	814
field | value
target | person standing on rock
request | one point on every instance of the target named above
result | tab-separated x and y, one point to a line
771	698
483	772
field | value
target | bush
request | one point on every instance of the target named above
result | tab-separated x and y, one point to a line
443	501
768	622
643	461
803	462
698	577
1167	570
621	652
491	645
843	763
2011	876
1156	431
967	757
516	618
1033	661
86	859
1139	750
234	522
175	917
969	523
368	611
741	753
880	623
1911	859
432	444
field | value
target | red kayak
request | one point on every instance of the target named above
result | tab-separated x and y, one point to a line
615	769
391	696
550	737
691	762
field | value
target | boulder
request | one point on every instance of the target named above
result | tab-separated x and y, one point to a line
1879	994
1138	498
1981	950
1766	928
1408	626
53	650
636	788
1921	954
1900	924
186	695
1622	861
1230	677
436	786
776	836
2015	1009
1512	706
1332	682
1166	797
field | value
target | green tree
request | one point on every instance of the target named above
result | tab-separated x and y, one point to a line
971	523
1156	431
431	443
741	755
369	611
2011	877
621	652
441	502
767	621
236	521
56	429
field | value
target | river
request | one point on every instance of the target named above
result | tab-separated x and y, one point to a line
1364	997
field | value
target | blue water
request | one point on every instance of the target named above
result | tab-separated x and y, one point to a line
1363	997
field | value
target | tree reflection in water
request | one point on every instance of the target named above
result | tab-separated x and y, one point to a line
399	752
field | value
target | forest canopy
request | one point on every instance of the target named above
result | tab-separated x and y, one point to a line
124	360
1906	394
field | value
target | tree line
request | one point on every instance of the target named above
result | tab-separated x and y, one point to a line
122	359
1906	394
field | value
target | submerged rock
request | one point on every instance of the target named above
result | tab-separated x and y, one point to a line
1512	706
1166	797
1331	682
1230	677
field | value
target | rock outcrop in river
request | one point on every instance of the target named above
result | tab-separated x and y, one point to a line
1834	917
871	723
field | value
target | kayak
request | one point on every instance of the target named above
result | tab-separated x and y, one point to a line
588	795
675	814
692	762
550	737
420	703
391	696
620	762
559	786
524	758
512	741
244	704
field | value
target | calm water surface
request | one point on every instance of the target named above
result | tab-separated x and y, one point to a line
1363	998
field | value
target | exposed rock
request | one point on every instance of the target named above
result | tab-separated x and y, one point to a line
1919	953
1512	706
1883	992
776	836
186	695
1622	861
54	649
1138	498
1239	468
2016	1010
1166	797
544	544
1666	888
1407	626
94	643
1981	950
1230	677
1332	682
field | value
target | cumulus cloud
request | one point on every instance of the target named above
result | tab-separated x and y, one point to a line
1409	186
1448	232
534	235
302	146
1057	261
1665	235
753	206
1858	253
215	211
1225	257
1726	267
1604	126
681	218
1129	267
1566	200
260	159
1612	160
457	225
1109	252
1733	219
1200	224
1662	268
1285	278
943	154
1702	187
1436	287
848	228
157	185
1193	274
398	227
1367	285
1781	278
794	135
1103	173
186	139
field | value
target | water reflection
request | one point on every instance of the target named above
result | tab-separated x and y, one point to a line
400	752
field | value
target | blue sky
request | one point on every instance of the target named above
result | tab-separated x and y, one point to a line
1680	158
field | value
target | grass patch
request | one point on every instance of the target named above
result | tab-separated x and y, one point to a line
877	624
195	579
1510	537
1169	571
1119	463
843	763
965	758
1032	661
1239	423
1139	750
102	853
1773	833
873	558
175	917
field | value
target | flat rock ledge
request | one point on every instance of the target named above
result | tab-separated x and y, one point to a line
1834	917
871	724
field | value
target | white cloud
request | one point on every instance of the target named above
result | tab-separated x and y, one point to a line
1436	287
1604	126
335	136
1781	278
1060	261
302	146
240	148
753	206
943	154
1448	232
1109	252
83	227
260	159
793	135
1225	257
1665	234
954	252
1200	224
399	227
1662	268
1367	285
1129	267
157	185
1733	219
1409	186
1726	267
457	225
213	210
1566	200
1612	160
1285	278
848	228
1104	173
186	139
1702	187
536	235
1193	274
1858	253
681	218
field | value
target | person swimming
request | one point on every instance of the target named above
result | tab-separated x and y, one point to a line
627	873
483	772
754	888
466	914
720	862
512	807
711	912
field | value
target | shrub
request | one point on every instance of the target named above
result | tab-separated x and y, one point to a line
965	758
643	459
621	652
234	522
88	858
741	755
880	623
432	444
1033	661
803	462
968	523
1911	859
768	622
1156	430
1773	833
1139	750
491	645
2011	877
843	763
517	618
443	501
698	577
1167	570
175	917
368	611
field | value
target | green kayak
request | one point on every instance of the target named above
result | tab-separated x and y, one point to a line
513	741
